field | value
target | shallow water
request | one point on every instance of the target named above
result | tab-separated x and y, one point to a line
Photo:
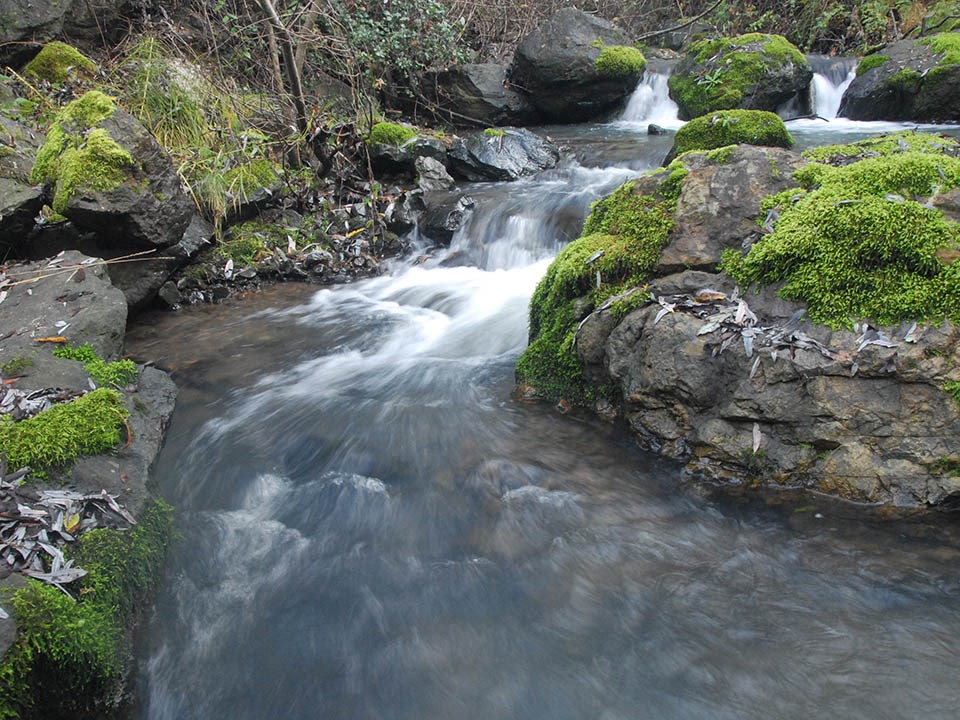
372	527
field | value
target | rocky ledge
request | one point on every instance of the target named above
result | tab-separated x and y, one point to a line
824	353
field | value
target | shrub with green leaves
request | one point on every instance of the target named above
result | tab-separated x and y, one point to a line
863	242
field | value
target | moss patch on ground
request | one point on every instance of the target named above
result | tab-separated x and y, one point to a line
621	241
731	127
103	373
869	62
72	652
731	68
89	425
388	133
882	146
863	242
77	154
56	61
620	61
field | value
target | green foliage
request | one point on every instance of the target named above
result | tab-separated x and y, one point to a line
953	389
89	425
870	62
620	61
733	67
730	127
56	61
396	40
388	133
70	654
623	236
906	81
864	243
884	145
495	132
115	374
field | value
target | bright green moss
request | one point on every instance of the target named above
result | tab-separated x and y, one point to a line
57	61
387	133
906	81
883	145
494	132
869	62
75	156
947	44
733	67
113	374
620	61
863	243
621	241
69	655
729	127
89	425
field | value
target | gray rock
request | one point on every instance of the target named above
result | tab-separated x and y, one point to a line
444	216
401	215
507	154
400	160
22	24
910	85
432	175
478	94
554	66
20	200
170	294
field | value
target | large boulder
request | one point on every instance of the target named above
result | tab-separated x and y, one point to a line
916	80
501	154
478	94
23	26
839	374
575	66
753	72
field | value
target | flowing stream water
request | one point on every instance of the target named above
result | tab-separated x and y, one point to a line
372	529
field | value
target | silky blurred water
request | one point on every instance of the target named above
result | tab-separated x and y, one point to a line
371	528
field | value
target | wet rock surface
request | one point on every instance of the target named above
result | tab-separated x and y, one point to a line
501	154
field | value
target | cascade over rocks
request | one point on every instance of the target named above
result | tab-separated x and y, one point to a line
743	387
556	66
908	80
501	154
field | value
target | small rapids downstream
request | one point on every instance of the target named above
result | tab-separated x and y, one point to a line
371	529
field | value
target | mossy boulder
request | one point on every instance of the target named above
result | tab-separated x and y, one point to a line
575	66
754	71
735	382
57	61
916	79
731	127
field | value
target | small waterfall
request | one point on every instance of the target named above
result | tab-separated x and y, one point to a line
831	77
651	103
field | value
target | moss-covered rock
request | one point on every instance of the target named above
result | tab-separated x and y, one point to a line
863	242
388	133
57	61
617	61
753	71
884	145
70	656
621	241
915	80
731	127
89	425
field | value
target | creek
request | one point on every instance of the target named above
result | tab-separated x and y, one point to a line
371	528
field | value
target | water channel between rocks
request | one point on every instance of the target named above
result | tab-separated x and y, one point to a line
372	529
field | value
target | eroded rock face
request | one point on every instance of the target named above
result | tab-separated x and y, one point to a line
555	66
907	81
478	94
745	389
